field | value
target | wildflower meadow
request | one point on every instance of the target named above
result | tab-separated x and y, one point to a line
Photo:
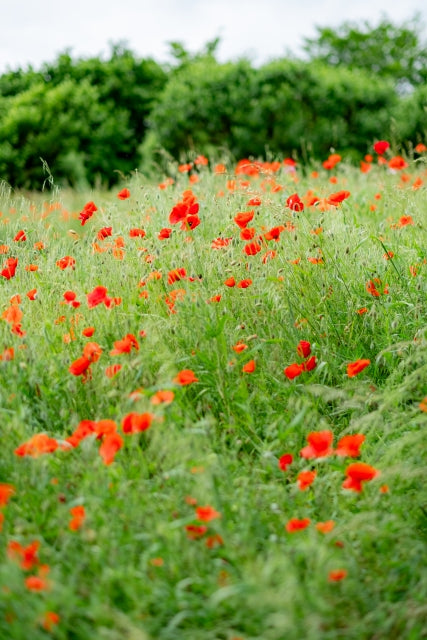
213	393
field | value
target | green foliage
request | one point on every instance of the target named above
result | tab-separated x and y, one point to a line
85	118
397	52
284	107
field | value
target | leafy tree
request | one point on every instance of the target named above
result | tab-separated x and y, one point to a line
388	50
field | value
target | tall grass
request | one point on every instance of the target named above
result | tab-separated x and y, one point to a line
132	568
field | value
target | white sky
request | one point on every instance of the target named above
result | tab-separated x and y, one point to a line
35	31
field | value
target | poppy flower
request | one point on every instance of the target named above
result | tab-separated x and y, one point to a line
294	203
40	582
303	348
8	354
26	556
9	268
87	212
293	371
79	366
111	444
295	524
6	492
125	345
78	517
239	347
20	236
319	445
112	370
164	234
97	296
105	232
67	262
381	147
325	527
252	248
92	351
176	274
310	363
207	513
332	161
37	445
243	218
195	531
350	445
274	233
248	233
249	367
244	284
136	422
50	618
305	479
284	461
88	332
336	575
337	198
123	194
137	233
354	368
185	377
230	282
162	397
357	473
397	163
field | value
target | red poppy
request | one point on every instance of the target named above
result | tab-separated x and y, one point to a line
26	556
254	202
8	354
252	248
294	203
105	232
176	274
293	371
136	422
244	284
305	479
397	163
112	370
88	332
207	513
248	233
123	194
79	366
137	233
350	445
125	345
20	236
337	198
195	531
92	351
162	397
249	367
78	517
319	445
9	268
6	492
66	262
303	348
325	527
357	473
110	446
284	461
87	212
294	524
332	161
37	445
354	368
381	147
310	364
164	234
243	218
336	575
230	282
98	296
274	233
185	377
239	347
50	618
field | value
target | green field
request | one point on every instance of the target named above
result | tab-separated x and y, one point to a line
181	371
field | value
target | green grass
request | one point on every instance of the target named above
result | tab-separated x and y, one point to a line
130	571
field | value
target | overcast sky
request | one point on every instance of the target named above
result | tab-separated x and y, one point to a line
35	31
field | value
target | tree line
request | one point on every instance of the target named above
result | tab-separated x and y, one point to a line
90	120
